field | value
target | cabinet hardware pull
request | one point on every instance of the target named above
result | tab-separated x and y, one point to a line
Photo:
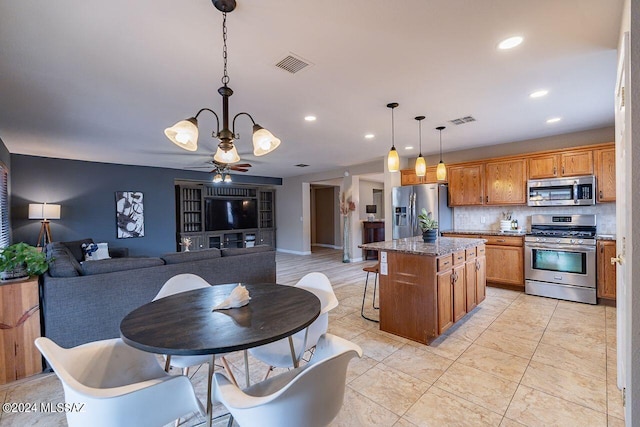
563	170
554	171
480	199
487	199
500	240
477	265
600	194
601	248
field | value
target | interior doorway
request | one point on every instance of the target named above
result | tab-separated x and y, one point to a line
325	231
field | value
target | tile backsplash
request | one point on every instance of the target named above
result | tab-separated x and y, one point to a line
470	217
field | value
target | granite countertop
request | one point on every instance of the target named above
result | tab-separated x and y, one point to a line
605	237
488	232
415	245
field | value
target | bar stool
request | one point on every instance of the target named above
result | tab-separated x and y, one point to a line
375	270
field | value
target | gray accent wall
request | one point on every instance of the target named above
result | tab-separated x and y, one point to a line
86	193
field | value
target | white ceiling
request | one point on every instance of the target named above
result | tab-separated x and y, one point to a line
100	80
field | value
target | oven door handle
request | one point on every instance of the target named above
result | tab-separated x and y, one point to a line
560	247
575	192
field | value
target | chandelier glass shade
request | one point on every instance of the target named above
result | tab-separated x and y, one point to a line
185	133
393	160
421	163
441	170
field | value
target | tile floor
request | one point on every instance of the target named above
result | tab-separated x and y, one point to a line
515	360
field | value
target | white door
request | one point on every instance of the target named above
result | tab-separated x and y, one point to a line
623	145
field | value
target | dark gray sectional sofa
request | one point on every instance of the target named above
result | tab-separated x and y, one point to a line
86	302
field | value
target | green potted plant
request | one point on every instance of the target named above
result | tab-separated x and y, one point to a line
428	225
21	260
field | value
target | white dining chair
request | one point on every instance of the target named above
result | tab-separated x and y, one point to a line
175	285
118	385
278	354
310	396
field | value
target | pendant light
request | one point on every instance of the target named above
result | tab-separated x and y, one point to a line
393	160
421	164
441	171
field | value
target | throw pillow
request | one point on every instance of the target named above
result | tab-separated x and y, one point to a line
95	251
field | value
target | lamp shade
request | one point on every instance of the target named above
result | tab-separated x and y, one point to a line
421	166
393	160
441	172
184	134
264	141
230	156
44	211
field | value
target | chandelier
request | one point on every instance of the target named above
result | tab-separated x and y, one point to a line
185	133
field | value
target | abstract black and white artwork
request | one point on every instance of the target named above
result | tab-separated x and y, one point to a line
129	214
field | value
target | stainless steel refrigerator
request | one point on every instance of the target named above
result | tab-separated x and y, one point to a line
408	202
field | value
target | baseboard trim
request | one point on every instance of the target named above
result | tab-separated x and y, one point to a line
323	245
287	251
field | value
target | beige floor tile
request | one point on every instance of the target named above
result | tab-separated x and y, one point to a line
527	316
573	342
535	300
359	411
418	363
465	331
486	308
478	318
354	301
535	408
522	330
614	422
577	388
357	320
503	293
595	319
376	346
340	311
445	346
344	329
581	362
390	388
506	422
507	343
594	310
503	365
437	408
358	366
481	388
403	423
614	401
568	326
393	337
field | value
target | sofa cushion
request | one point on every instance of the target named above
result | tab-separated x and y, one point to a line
61	261
75	247
244	251
180	257
95	251
118	264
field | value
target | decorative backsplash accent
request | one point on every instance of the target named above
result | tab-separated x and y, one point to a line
470	218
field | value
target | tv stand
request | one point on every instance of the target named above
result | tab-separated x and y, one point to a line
190	216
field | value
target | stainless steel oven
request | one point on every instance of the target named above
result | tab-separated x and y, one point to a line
575	191
560	257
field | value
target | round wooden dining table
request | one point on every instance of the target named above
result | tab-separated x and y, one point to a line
185	323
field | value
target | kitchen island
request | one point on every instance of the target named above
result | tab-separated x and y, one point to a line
426	287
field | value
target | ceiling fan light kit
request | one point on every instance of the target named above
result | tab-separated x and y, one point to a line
185	133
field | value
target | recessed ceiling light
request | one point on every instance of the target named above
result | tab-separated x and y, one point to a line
369	136
310	118
554	120
409	147
510	43
538	93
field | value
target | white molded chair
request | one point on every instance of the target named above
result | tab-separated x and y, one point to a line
309	396
278	354
118	385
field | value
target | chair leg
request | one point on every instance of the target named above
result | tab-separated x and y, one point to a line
268	372
364	296
229	371
230	422
375	286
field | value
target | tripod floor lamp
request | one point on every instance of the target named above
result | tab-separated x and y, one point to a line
44	212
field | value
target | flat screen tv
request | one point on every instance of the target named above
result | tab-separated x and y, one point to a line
230	214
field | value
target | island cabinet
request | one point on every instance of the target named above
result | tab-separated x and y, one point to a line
475	276
423	286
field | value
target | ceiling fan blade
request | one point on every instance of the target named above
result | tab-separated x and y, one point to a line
239	170
243	165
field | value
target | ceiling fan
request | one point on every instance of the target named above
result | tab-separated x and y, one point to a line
222	171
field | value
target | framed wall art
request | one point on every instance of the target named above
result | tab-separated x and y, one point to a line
129	214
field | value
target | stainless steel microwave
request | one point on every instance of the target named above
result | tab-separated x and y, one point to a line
573	191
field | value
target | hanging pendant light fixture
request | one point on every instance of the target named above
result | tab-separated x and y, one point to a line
441	170
421	164
393	160
185	133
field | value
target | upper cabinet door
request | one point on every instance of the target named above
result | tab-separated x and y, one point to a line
409	177
544	166
466	185
576	163
506	182
605	164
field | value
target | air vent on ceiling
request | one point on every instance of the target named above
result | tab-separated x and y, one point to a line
301	165
292	64
462	120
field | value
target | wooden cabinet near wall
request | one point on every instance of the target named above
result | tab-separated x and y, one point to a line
409	177
506	182
605	166
19	327
576	163
466	185
546	166
606	272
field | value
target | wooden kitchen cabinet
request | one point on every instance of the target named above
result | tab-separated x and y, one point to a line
470	278
575	163
458	287
409	177
481	275
466	185
506	182
541	167
19	327
606	272
445	300
605	165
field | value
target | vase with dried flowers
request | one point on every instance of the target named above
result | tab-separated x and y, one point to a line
346	206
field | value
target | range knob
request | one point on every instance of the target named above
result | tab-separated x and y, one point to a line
580	241
537	239
557	240
572	241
